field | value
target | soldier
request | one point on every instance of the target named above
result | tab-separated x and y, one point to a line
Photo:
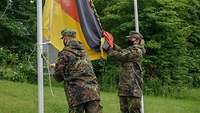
130	80
80	82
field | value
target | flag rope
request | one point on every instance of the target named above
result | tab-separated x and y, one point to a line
48	69
49	74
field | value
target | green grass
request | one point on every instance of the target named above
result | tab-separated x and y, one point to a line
22	98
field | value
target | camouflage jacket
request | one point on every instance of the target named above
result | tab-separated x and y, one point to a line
130	80
76	70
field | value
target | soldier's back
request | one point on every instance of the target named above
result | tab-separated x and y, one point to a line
80	80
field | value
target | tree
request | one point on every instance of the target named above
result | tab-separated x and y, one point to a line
171	31
18	24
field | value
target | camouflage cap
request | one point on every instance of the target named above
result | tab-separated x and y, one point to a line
68	32
131	33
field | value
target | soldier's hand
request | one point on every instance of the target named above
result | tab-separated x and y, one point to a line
53	65
142	42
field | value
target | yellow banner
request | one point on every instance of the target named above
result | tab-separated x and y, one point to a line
55	19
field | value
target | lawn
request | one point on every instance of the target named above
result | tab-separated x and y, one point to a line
22	98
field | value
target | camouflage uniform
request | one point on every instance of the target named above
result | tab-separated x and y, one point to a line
130	80
80	82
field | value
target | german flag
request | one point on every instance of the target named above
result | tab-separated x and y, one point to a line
78	15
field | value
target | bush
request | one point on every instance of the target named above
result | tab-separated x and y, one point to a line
15	69
171	31
7	58
107	74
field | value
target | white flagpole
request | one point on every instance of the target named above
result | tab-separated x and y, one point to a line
136	16
39	58
138	30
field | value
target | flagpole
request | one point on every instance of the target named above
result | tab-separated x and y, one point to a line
136	16
39	58
137	29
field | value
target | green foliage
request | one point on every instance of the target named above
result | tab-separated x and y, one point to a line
171	31
107	75
6	57
17	24
15	69
18	29
26	73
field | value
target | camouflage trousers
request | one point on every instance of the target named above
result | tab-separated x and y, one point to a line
130	104
89	107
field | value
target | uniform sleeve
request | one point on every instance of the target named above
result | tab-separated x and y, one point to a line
135	54
60	67
117	48
124	54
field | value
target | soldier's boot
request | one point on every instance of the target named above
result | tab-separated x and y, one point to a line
93	107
